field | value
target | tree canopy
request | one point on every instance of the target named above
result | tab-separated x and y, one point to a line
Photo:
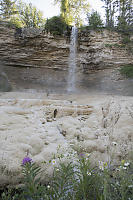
29	15
72	10
7	8
95	20
55	25
21	14
120	13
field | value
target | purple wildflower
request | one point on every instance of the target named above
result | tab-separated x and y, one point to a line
26	160
81	155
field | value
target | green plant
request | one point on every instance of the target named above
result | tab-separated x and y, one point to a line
95	20
109	45
71	11
76	181
55	25
86	182
116	45
63	182
32	188
127	70
9	195
126	39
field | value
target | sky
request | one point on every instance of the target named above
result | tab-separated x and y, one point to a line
49	9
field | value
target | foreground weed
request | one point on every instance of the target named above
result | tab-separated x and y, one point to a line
89	184
76	181
63	182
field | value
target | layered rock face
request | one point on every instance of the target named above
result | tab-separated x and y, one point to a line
37	60
102	128
34	58
103	49
29	49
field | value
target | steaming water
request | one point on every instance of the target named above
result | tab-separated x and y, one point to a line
72	61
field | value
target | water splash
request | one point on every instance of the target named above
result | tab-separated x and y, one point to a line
72	61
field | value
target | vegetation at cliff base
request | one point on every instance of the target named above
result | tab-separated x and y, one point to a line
127	70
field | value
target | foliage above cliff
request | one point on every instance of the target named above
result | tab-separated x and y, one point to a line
7	8
95	20
73	10
21	14
56	25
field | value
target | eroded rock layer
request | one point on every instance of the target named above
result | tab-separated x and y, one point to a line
102	49
36	60
95	49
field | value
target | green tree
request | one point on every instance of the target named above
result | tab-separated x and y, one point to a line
29	16
72	10
56	25
125	18
119	12
95	20
110	10
7	8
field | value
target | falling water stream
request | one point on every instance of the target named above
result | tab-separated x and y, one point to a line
72	61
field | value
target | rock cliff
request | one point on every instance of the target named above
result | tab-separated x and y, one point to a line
95	49
101	49
32	50
34	59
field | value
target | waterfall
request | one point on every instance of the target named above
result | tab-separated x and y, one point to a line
72	61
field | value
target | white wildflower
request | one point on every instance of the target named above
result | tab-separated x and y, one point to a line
117	169
48	186
53	162
101	165
89	173
124	168
117	183
126	164
87	154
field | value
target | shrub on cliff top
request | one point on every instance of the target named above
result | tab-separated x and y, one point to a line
55	25
95	20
